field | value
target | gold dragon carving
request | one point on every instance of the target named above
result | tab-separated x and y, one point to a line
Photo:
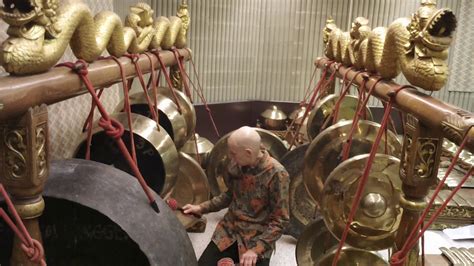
416	46
41	30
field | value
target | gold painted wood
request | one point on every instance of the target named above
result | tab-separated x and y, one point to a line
40	31
17	94
24	167
433	113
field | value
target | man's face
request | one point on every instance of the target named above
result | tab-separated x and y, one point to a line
238	155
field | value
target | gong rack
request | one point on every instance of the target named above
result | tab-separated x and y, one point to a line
428	120
23	110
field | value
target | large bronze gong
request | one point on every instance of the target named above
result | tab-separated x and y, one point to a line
352	257
170	119
322	114
156	153
324	152
191	187
302	206
314	242
187	108
218	160
377	219
98	215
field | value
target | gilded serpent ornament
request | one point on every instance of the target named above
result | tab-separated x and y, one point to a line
41	30
416	46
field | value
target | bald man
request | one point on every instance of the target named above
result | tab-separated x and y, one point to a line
257	198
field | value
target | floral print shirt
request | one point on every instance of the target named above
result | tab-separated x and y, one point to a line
258	201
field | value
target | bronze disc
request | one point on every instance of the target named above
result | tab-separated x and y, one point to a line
191	187
377	219
302	206
325	108
218	161
314	242
156	153
169	117
204	148
186	105
352	257
324	152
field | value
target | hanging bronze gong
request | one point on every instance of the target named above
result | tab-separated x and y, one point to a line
218	161
191	187
377	219
324	152
157	156
352	257
322	114
314	242
186	105
204	148
169	117
302	206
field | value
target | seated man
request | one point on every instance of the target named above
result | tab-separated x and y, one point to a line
257	198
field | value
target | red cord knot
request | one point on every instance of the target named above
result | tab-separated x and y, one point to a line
35	253
133	57
392	94
365	76
397	259
112	127
80	66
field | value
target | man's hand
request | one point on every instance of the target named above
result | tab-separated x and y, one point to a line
249	258
190	209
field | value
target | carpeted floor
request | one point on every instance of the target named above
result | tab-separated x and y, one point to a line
285	246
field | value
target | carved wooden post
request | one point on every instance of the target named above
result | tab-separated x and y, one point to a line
24	168
183	14
418	171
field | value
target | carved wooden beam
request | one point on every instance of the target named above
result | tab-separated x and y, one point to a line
454	122
17	94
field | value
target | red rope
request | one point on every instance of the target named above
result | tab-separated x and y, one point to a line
303	103
308	89
343	93
90	116
134	58
32	247
355	122
316	94
365	175
112	127
182	70
168	79
200	92
399	257
152	82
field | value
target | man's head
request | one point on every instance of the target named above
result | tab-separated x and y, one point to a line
244	146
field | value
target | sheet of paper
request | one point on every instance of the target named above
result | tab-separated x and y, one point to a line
460	233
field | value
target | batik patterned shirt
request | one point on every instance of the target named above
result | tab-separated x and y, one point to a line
258	203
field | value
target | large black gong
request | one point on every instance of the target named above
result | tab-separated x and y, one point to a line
98	215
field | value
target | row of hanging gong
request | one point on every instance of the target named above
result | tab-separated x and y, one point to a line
324	183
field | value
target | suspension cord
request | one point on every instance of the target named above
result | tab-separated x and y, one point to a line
32	247
365	175
179	59
112	127
200	92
